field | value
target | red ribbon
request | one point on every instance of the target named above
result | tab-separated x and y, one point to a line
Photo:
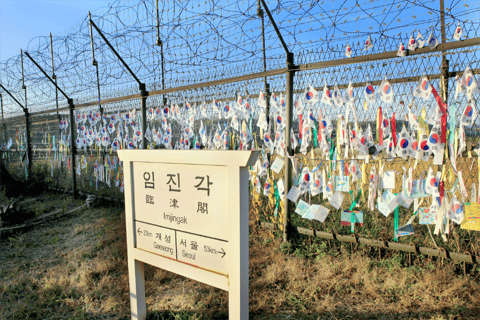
443	109
441	190
380	130
394	130
319	133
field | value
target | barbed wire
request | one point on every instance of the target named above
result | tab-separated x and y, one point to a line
214	40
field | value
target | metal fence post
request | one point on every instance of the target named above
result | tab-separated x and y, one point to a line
29	144
144	94
445	62
73	152
288	142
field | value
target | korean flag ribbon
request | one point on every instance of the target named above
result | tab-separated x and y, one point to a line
305	179
349	95
348	51
424	151
327	97
262	101
370	93
457	213
401	52
368	43
458	32
432	41
412	43
262	121
434	141
420	40
415	149
311	95
404	145
267	141
432	184
469	114
386	92
310	119
423	89
337	96
470	83
316	184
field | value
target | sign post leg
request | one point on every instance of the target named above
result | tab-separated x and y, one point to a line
238	243
137	289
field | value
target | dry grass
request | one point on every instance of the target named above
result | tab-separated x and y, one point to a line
355	286
76	269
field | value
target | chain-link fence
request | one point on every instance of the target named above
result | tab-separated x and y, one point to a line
192	55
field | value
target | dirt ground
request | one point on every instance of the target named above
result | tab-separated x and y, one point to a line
76	268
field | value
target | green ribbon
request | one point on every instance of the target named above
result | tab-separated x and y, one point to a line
277	197
332	153
353	217
315	137
352	222
451	113
395	225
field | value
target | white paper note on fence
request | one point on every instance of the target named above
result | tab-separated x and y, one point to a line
293	194
438	157
302	208
277	165
389	180
337	200
317	212
404	201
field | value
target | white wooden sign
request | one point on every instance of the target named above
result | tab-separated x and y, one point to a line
187	212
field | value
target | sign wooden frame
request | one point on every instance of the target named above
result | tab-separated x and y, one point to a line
235	281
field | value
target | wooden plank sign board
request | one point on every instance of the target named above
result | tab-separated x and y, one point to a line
187	212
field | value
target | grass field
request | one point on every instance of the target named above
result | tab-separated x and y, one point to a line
76	268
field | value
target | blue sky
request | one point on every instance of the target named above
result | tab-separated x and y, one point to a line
22	20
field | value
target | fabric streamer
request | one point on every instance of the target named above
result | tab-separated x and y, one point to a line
443	109
393	125
379	127
395	224
277	197
300	128
354	203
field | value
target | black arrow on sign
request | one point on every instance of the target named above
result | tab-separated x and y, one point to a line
222	252
139	232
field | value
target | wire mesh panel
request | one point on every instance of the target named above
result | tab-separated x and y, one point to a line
207	65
